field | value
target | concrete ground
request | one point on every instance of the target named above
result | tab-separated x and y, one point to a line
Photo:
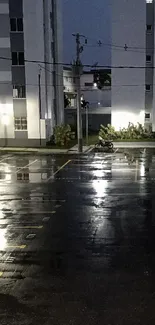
77	239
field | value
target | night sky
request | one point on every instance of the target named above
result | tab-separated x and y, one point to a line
92	19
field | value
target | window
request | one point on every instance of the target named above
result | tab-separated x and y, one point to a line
19	91
88	84
22	176
51	19
53	49
148	87
149	1
148	58
149	28
147	115
16	24
17	58
21	124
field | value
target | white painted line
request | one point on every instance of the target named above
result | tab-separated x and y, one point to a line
9	156
58	170
33	162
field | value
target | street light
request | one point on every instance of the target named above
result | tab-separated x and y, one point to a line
5	122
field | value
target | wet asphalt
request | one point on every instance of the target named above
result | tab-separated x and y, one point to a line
77	239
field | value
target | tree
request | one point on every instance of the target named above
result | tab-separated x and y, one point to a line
102	78
66	101
84	104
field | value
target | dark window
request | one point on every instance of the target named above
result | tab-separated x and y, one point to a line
88	84
21	58
148	58
147	115
148	87
20	24
13	24
51	19
53	49
19	91
17	58
16	24
149	28
14	58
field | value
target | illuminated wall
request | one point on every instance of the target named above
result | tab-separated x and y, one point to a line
128	85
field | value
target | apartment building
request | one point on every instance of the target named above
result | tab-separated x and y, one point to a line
31	80
133	89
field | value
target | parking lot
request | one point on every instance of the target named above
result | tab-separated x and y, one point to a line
77	238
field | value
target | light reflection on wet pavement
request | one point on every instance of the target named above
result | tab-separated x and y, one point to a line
77	243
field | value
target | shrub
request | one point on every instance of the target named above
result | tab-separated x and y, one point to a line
62	134
108	132
132	132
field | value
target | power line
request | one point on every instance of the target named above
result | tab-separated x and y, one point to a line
85	65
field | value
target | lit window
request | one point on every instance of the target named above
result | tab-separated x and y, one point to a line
16	24
148	58
148	87
18	58
19	91
21	124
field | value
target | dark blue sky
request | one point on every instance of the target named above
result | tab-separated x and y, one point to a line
91	18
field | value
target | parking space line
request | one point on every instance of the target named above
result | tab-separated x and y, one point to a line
26	166
5	158
58	170
26	227
35	212
16	246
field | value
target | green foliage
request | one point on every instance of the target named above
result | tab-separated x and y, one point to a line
67	102
129	133
62	134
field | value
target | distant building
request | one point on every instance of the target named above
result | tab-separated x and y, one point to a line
95	89
133	89
30	38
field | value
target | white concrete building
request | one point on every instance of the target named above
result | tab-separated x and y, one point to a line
133	93
30	38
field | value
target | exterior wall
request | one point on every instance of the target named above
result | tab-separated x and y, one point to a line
58	67
69	81
98	98
128	85
6	101
37	20
153	106
34	50
87	78
95	118
149	71
49	91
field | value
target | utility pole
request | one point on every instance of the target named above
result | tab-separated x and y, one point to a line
79	50
39	87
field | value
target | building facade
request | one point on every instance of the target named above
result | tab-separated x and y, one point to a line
99	99
31	81
133	90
